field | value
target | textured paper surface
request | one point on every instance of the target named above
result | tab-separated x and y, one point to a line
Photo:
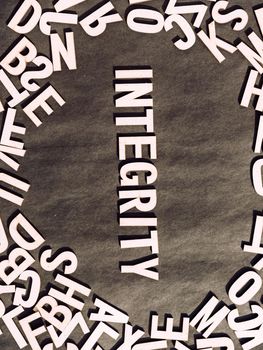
204	139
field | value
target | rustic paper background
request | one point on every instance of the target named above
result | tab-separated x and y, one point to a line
205	196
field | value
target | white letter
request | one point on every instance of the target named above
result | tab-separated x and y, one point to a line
203	319
254	246
240	16
55	309
72	288
2	312
259	16
137	142
14	198
185	27
130	338
17	96
68	258
40	101
258	144
97	333
248	323
180	346
107	313
144	268
28	76
246	278
169	333
58	50
136	197
32	232
257	177
152	242
255	58
99	18
47	17
131	99
156	17
212	42
133	180
137	1
3	238
34	289
16	55
16	267
211	343
8	160
145	120
13	329
30	333
252	90
10	128
133	73
21	12
199	10
138	221
62	5
152	345
254	334
61	339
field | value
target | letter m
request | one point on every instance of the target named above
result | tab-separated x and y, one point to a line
208	315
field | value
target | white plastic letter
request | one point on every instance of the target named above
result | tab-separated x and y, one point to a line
97	333
55	17
20	14
30	333
252	90
169	333
58	50
212	42
144	268
255	284
100	18
28	76
17	268
72	288
16	54
34	291
204	322
107	313
67	257
240	16
41	101
137	142
20	220
156	17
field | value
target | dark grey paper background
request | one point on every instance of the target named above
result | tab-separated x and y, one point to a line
205	196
